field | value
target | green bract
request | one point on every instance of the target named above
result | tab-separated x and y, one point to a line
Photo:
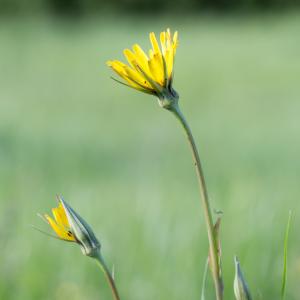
240	286
83	233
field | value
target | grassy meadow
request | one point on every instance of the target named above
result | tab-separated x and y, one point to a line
123	163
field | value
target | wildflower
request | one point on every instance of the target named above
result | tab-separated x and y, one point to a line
152	74
240	286
69	226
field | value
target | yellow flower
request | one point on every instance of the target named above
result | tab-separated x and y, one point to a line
153	73
69	226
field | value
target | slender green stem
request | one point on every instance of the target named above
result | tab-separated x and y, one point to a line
285	254
204	280
213	249
110	280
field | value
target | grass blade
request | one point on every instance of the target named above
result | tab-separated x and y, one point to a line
204	280
284	273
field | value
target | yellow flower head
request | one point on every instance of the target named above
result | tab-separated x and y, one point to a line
69	226
152	73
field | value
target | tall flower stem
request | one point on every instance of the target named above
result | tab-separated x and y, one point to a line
110	279
213	249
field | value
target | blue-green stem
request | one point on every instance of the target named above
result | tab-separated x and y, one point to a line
109	278
213	249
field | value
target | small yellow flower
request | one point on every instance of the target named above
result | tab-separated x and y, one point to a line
69	226
153	73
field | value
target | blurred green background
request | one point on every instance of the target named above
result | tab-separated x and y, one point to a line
123	163
85	7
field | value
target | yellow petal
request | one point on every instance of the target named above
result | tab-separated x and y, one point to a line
60	216
130	57
154	43
163	42
121	69
168	38
171	45
118	67
175	41
150	54
156	68
129	74
141	70
141	58
169	58
60	231
137	77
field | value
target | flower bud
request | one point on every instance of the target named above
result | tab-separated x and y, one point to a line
240	286
69	226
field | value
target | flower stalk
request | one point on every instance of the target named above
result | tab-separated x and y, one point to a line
153	74
101	263
213	247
